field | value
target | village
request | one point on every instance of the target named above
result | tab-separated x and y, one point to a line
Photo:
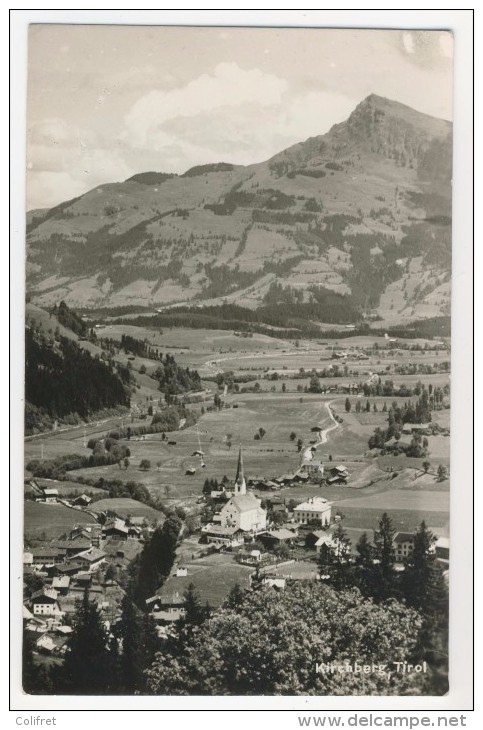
234	540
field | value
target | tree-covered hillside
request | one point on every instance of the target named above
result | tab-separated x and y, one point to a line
63	379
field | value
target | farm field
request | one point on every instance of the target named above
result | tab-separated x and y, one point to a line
370	488
421	501
48	521
408	520
123	506
213	578
275	454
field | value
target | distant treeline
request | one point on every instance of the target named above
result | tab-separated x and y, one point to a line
292	322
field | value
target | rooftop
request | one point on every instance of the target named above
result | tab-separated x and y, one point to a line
315	504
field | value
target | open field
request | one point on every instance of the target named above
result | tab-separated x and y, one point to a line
52	520
370	490
124	506
213	577
399	499
68	488
404	520
273	455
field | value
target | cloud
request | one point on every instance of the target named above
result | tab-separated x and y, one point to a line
64	161
235	115
228	86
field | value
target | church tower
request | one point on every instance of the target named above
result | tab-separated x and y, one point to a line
240	484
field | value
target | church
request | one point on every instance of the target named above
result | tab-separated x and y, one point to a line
243	511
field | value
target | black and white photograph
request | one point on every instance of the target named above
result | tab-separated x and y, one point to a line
237	414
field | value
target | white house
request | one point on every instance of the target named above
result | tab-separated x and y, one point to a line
316	508
403	543
45	602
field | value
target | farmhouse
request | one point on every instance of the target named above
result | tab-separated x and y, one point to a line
115	529
313	468
50	496
61	584
82	500
72	547
91	559
315	509
274	538
338	475
223	536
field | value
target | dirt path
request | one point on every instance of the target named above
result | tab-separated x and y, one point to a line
308	453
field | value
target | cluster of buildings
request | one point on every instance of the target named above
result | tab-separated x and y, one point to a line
241	516
57	575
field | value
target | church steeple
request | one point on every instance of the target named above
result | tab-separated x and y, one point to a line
240	484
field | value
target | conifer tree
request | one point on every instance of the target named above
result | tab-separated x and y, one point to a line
86	666
384	559
335	565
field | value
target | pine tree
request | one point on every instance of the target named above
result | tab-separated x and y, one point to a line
334	561
235	597
86	667
384	559
129	631
364	565
424	589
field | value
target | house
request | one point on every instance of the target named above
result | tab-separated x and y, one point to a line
312	537
325	543
315	509
71	568
91	559
181	572
115	529
403	543
167	609
243	511
441	548
422	428
50	496
47	555
28	558
338	475
274	581
275	538
340	471
82	500
313	468
44	602
45	643
61	584
72	547
222	536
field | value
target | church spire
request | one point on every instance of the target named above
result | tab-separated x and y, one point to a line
240	484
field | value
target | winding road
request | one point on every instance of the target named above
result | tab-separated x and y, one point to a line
308	453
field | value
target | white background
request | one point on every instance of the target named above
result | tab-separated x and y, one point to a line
284	710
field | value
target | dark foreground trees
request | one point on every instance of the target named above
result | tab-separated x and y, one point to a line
87	668
274	643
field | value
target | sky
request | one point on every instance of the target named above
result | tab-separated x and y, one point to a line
106	102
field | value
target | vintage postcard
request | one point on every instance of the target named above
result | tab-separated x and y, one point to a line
238	361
